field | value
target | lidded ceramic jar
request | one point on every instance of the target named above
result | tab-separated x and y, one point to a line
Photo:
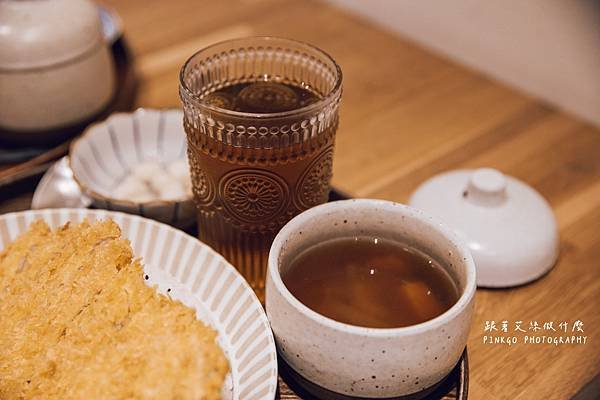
55	66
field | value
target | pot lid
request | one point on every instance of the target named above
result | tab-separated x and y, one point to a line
508	226
39	33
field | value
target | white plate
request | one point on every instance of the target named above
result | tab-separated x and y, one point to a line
196	275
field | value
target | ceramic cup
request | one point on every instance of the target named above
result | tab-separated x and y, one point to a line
359	361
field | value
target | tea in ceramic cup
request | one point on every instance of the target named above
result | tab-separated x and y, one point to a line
388	324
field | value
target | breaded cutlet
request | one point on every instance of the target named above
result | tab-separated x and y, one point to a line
78	321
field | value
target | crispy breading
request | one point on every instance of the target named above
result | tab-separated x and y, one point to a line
77	321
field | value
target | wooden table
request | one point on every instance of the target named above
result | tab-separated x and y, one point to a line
408	114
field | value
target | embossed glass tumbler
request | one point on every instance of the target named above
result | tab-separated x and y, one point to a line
260	116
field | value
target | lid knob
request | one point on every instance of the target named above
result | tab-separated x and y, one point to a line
486	187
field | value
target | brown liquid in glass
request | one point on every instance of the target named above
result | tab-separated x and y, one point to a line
370	282
242	240
261	97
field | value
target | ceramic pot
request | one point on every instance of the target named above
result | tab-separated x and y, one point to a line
55	66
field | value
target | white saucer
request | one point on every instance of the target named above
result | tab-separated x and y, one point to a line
58	189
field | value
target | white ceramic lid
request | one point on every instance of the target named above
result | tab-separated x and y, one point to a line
508	226
40	33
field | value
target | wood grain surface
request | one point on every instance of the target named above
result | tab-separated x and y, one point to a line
406	115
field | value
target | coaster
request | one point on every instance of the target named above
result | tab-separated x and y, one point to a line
292	386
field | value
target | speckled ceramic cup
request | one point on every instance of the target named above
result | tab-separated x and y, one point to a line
360	361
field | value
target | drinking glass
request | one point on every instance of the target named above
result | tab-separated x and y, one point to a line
253	171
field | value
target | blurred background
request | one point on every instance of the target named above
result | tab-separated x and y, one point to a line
525	63
546	48
549	48
428	86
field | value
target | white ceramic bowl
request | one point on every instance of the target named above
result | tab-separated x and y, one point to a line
359	361
107	151
200	278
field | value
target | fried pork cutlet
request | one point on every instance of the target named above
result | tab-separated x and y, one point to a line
77	321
